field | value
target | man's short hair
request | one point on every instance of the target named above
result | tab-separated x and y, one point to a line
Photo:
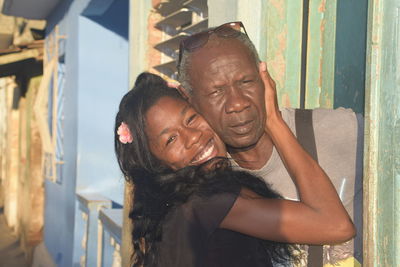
183	75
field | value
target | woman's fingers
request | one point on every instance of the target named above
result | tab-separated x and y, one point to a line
271	100
173	84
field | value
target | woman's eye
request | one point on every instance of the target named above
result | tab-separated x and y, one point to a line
170	140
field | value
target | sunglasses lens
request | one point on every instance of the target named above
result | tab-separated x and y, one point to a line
198	40
195	41
228	30
235	25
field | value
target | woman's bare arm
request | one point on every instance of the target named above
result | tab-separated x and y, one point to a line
318	218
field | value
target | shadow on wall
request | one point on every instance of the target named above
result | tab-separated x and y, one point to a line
113	19
111	14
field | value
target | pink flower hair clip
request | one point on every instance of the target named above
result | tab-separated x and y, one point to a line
124	133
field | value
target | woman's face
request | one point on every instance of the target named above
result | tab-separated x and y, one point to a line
179	136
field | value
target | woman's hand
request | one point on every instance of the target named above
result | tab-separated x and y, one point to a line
271	100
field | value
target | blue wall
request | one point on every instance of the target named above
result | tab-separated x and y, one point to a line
96	59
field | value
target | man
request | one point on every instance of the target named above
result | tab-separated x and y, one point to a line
219	74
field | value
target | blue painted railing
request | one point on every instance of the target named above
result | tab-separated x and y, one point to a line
102	236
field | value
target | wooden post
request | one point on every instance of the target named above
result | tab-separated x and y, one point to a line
126	246
382	136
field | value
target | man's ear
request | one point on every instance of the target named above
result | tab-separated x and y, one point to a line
184	93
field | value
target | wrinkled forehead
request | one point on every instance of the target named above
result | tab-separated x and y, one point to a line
219	58
217	49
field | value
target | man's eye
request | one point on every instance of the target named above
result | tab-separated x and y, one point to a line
215	93
247	81
170	140
191	118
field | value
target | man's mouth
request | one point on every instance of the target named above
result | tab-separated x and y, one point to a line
243	128
209	151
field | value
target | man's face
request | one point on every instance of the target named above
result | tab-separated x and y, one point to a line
228	91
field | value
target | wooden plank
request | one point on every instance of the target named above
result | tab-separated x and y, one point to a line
138	61
35	200
13	164
371	138
10	58
283	48
40	107
138	35
127	227
382	157
320	54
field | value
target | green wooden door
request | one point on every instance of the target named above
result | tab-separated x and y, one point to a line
382	154
315	51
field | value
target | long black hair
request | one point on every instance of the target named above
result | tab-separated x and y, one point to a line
157	188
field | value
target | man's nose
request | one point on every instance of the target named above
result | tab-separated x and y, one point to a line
192	136
235	100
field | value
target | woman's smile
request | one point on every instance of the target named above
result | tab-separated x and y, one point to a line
207	152
179	136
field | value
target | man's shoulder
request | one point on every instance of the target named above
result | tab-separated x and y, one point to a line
324	118
322	112
341	114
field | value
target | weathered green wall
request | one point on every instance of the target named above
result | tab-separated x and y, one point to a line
335	53
283	51
320	54
382	151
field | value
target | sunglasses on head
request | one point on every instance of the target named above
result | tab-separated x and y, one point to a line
198	40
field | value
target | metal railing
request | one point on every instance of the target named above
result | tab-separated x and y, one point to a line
101	241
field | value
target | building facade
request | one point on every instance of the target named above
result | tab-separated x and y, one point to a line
320	53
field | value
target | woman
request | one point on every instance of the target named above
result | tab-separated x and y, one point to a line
191	209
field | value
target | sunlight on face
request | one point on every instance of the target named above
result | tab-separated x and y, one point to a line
179	136
228	92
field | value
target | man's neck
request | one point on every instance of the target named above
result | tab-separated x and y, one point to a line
254	157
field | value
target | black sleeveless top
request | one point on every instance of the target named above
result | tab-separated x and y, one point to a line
191	237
